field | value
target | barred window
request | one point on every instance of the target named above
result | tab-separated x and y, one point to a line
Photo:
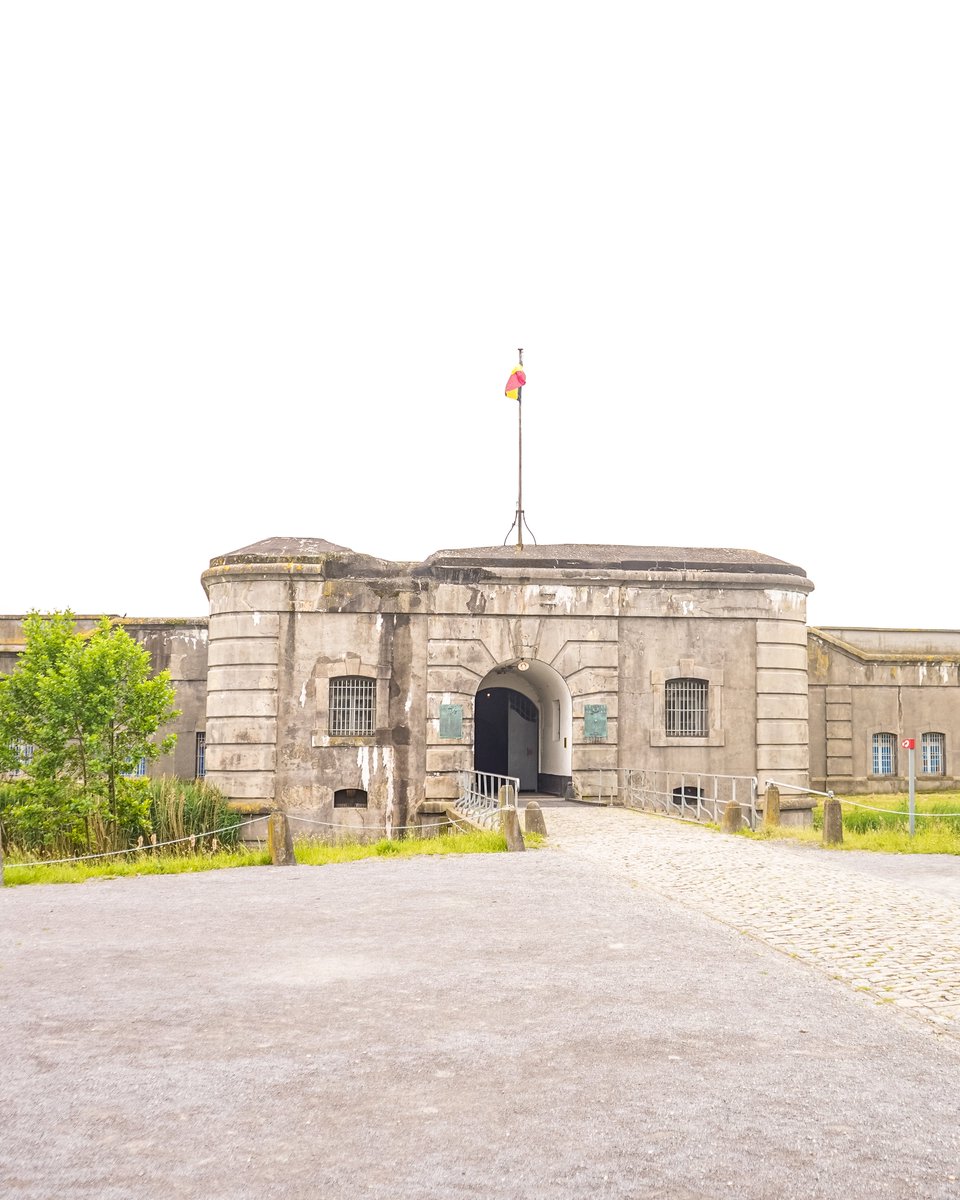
352	706
932	754
884	753
139	769
687	708
200	767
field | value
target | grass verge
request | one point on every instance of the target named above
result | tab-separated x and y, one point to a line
885	831
309	853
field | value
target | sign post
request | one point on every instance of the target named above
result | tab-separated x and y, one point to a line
910	745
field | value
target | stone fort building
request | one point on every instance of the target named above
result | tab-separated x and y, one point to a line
353	689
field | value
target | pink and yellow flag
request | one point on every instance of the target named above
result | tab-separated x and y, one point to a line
516	381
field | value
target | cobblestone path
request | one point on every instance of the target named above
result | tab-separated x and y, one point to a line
896	943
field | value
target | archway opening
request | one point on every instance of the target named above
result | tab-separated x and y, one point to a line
523	726
507	735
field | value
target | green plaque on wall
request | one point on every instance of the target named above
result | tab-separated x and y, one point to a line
451	720
595	720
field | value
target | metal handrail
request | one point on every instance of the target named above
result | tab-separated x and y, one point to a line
687	795
480	794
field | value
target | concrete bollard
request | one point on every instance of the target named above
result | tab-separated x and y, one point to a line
510	825
832	823
1	859
771	807
732	819
506	796
533	821
280	841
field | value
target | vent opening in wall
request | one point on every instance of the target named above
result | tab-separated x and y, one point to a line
350	798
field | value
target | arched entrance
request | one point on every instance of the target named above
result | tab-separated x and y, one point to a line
523	726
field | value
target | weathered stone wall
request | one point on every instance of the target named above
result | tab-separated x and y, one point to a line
432	635
179	647
175	645
278	634
890	681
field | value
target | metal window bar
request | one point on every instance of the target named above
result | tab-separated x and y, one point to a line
686	707
352	706
201	756
884	748
932	753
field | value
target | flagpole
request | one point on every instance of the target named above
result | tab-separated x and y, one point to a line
519	520
520	459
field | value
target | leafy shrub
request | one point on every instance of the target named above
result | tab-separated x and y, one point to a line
59	820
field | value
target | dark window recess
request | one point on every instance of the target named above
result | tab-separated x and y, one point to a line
687	794
350	798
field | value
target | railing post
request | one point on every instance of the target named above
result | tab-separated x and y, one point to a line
732	819
832	823
510	824
533	821
280	840
506	796
771	807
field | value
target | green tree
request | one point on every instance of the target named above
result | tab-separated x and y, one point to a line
89	707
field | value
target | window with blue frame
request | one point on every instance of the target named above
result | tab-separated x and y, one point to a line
932	754
884	754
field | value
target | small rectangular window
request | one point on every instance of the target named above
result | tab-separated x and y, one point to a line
350	798
200	768
352	706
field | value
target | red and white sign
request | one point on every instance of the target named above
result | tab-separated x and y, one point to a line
909	743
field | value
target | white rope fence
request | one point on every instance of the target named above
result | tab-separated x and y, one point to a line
367	829
196	837
897	812
144	849
853	803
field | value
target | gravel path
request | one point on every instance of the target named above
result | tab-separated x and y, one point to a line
532	1025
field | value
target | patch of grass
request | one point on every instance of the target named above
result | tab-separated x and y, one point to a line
16	873
320	853
886	832
309	853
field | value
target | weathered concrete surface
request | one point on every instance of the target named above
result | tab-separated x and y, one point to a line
533	820
492	1026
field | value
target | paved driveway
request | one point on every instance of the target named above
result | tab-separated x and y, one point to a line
889	925
552	1024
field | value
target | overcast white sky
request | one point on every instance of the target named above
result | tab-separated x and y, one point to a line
265	268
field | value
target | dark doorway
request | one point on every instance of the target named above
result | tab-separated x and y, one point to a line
507	735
